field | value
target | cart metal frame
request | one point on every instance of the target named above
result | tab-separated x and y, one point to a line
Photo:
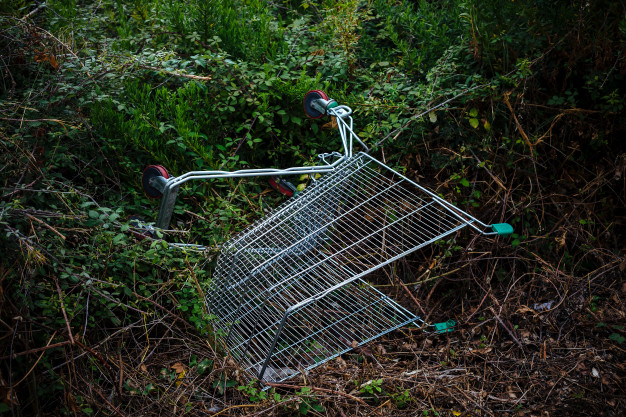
289	293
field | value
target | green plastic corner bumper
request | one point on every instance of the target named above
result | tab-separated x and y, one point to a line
502	229
444	327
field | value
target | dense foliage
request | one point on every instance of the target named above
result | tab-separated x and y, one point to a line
514	110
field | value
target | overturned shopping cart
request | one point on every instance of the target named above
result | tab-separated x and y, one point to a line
289	293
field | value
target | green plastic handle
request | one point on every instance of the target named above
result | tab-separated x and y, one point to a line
502	229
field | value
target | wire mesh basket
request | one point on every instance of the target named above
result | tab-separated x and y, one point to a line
288	294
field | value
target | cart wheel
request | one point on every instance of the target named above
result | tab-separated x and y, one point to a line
283	186
139	228
150	172
308	99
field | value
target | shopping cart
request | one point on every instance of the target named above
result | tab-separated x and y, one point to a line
289	293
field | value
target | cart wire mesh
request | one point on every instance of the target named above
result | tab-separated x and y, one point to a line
289	293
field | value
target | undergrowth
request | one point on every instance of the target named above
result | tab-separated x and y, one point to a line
513	110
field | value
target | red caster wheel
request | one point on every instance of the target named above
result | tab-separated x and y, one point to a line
283	186
309	98
149	173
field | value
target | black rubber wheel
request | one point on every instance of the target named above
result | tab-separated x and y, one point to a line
150	172
308	99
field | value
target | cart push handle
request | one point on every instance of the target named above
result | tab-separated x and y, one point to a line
317	104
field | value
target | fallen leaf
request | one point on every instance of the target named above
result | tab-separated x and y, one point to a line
330	125
561	240
524	333
512	394
178	367
341	363
53	62
180	377
524	309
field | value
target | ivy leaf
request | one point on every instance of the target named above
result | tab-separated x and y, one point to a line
204	365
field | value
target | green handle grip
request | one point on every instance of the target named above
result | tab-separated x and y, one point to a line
502	229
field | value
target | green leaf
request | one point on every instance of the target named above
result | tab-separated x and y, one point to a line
465	182
94	214
473	122
473	112
617	338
